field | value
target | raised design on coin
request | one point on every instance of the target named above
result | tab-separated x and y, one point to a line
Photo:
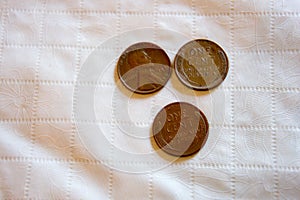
180	129
201	64
144	68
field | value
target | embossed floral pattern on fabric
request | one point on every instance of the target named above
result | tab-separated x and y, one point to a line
252	151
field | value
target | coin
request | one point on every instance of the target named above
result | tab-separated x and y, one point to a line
180	129
144	68
201	64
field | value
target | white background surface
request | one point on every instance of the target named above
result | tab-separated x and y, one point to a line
253	150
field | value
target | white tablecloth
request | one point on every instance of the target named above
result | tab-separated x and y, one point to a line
69	130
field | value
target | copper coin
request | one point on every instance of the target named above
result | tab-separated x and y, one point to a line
180	129
201	64
144	68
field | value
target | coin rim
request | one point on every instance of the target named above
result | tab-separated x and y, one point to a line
186	83
136	90
206	133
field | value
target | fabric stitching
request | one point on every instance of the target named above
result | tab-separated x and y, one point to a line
273	118
155	36
110	84
111	170
232	121
89	47
118	122
192	180
258	167
150	185
193	34
4	23
155	16
73	132
161	13
34	107
194	14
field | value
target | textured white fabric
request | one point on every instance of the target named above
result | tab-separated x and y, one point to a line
69	130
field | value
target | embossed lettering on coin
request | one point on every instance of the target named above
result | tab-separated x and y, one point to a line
201	64
144	68
180	129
